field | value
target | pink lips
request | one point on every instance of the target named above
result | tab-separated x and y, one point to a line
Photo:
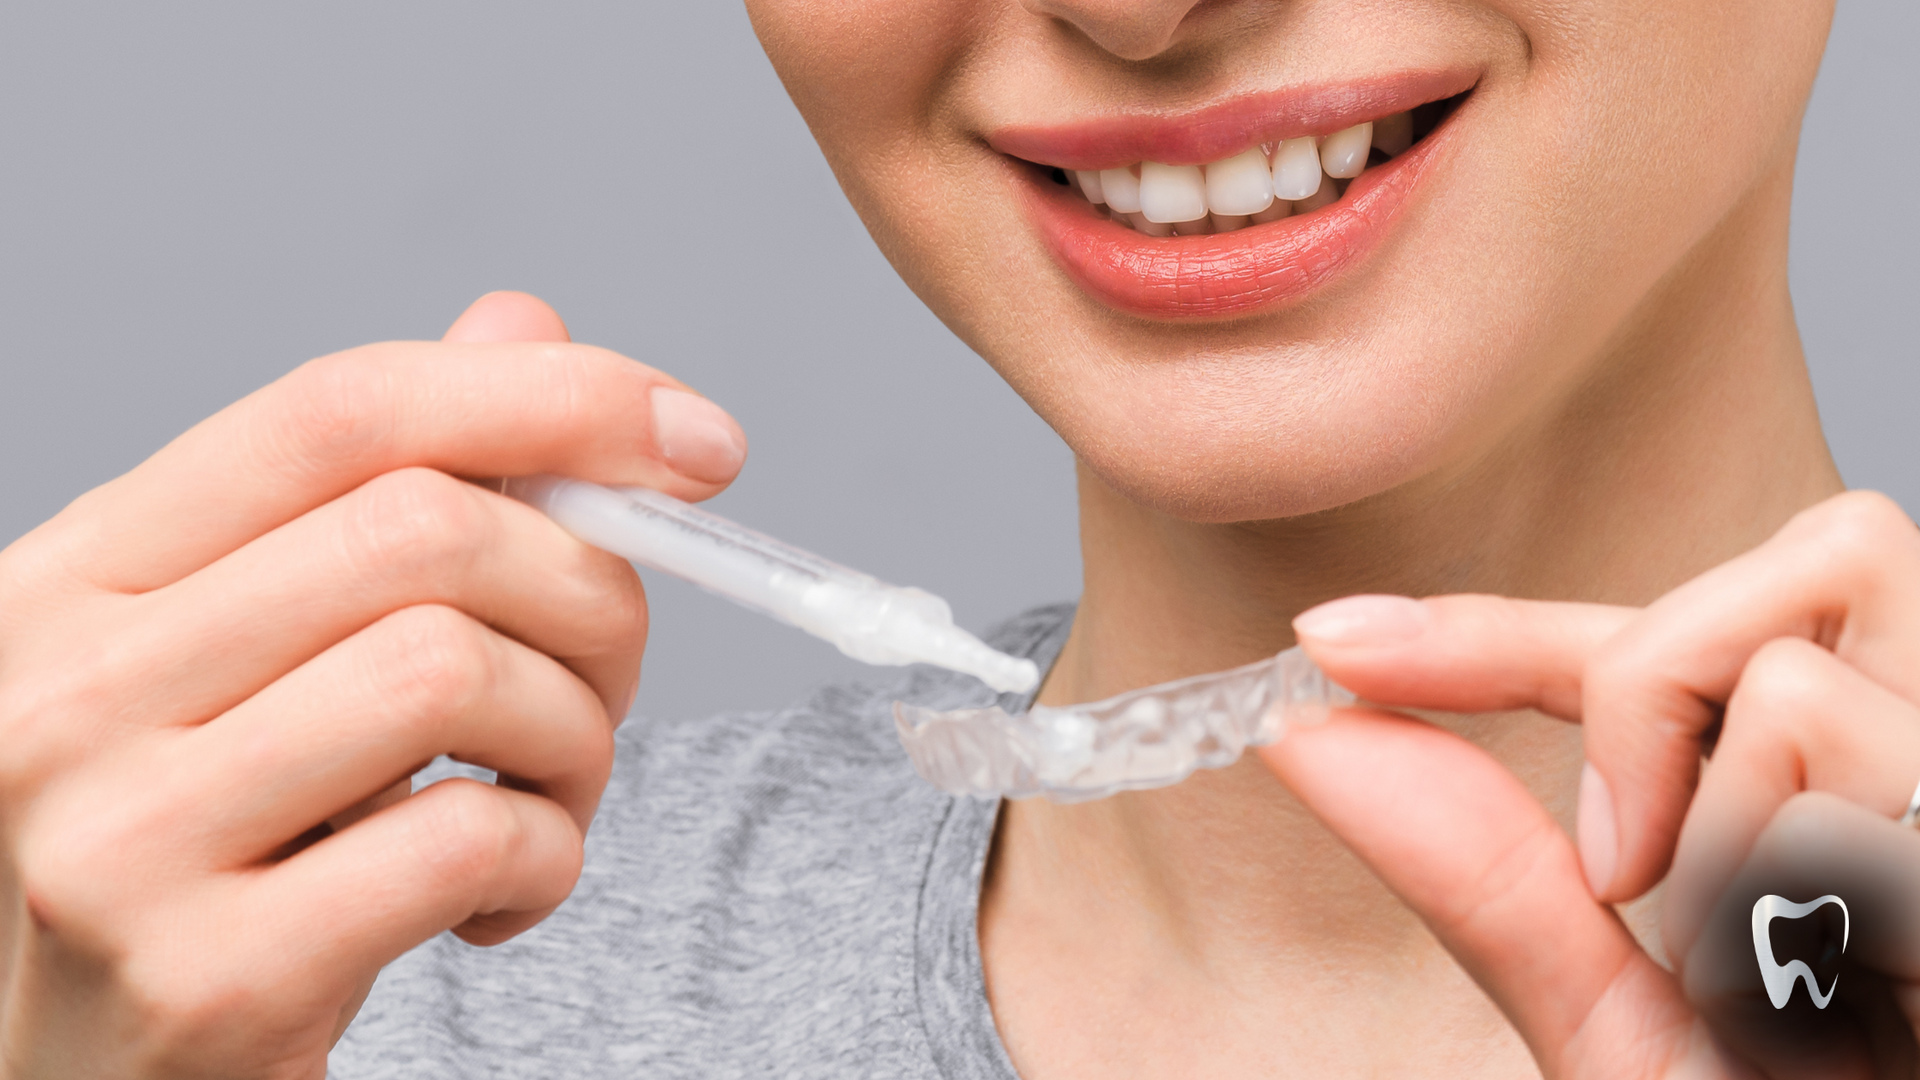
1230	274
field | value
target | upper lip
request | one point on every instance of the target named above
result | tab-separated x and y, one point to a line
1219	131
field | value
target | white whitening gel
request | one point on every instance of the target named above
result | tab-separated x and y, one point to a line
1145	738
862	616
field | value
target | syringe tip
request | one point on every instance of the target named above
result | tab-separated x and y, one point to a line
1016	677
1007	674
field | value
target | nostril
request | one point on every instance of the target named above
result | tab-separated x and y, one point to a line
1128	29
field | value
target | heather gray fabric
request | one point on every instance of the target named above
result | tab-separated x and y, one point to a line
772	894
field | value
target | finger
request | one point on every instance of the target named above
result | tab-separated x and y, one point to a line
405	538
508	316
254	966
1462	842
1460	653
1818	837
420	683
1801	719
485	861
1844	575
1818	845
516	316
465	409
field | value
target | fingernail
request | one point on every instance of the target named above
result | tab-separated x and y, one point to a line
1598	833
697	438
1364	620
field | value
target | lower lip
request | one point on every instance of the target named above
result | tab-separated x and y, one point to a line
1229	274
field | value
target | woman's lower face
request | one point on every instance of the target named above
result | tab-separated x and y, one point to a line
1256	258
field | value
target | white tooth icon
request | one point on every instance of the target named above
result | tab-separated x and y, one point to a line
1780	978
1171	193
1090	184
1343	154
1122	189
1240	185
1296	168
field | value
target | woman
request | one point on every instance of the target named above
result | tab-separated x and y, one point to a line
1510	317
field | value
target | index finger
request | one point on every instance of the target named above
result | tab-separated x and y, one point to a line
1648	685
1844	575
471	409
1465	653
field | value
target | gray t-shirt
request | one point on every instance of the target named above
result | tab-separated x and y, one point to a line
773	894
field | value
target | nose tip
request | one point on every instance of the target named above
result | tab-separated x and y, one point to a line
1129	29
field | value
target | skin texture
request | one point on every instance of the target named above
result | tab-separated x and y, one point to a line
208	860
1800	653
1570	372
1605	144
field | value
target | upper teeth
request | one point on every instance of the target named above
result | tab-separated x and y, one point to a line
1258	184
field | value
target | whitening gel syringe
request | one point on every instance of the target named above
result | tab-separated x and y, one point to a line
862	616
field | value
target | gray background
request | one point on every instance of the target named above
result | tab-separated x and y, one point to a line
195	197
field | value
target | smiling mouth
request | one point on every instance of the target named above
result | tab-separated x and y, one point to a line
1237	208
1258	185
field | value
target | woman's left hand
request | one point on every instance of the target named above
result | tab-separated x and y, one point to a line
1797	665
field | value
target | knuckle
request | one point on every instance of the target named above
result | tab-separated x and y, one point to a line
188	1006
338	407
624	614
1527	855
465	832
582	377
1613	669
1863	525
62	870
596	745
580	386
432	662
39	716
1785	679
53	886
413	523
180	1003
53	716
1806	822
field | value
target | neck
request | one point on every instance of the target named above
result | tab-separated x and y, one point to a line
1696	440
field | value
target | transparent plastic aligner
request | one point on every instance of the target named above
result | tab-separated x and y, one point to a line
1146	738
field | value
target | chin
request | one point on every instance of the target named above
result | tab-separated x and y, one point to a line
1215	453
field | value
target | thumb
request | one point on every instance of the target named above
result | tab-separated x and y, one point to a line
507	316
1467	847
696	438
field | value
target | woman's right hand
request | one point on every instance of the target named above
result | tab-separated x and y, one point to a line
218	672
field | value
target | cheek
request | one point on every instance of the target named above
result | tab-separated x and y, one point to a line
1618	136
862	72
1588	177
1664	106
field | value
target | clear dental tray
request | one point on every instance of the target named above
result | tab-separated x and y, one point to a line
1145	738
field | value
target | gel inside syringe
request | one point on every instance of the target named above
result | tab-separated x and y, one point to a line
862	616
